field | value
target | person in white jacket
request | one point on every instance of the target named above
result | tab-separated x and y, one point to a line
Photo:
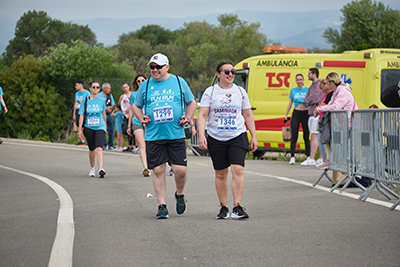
342	99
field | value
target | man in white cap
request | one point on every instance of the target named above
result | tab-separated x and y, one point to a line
160	106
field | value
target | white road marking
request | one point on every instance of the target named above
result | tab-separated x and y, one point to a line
61	253
323	188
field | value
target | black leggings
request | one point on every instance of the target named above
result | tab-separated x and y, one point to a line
297	118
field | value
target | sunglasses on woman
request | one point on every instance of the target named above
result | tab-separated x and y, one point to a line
233	71
96	87
140	81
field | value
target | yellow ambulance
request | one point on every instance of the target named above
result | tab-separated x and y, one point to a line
373	75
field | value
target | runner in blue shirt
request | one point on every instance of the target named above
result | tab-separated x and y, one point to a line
163	97
92	125
137	127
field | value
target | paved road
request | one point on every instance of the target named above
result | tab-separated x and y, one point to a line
291	223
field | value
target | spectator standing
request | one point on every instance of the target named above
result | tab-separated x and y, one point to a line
325	100
92	125
342	99
110	104
227	107
80	94
119	116
125	107
137	128
299	115
162	97
313	99
4	106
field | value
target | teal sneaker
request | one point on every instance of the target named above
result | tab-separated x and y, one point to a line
162	212
180	204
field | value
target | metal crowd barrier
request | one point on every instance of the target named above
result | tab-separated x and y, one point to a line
340	155
367	144
376	149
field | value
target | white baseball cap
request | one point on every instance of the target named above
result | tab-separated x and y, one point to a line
159	59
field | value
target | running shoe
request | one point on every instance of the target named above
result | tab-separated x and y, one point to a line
146	172
324	165
91	172
102	172
135	150
292	161
111	147
238	212
171	172
223	213
80	143
180	204
162	212
128	149
1	141
319	162
308	162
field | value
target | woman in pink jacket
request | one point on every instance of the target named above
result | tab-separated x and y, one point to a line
342	99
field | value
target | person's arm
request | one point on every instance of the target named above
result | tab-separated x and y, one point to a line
201	126
190	109
288	108
80	131
4	104
73	111
104	117
130	120
248	116
144	119
192	127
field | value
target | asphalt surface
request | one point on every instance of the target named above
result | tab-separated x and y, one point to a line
291	223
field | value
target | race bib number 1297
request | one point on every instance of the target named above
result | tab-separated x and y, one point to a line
163	114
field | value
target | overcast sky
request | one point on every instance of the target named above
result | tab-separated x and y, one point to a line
69	10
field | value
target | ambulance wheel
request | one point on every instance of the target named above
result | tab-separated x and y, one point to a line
258	153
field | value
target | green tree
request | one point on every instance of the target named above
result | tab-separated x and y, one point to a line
35	108
366	24
200	46
65	64
136	51
36	32
154	34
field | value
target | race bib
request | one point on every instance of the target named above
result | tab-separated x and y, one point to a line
163	114
93	121
226	123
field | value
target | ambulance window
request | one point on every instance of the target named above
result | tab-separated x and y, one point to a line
390	86
241	78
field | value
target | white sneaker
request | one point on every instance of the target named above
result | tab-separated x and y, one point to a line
92	172
135	150
318	162
308	162
292	161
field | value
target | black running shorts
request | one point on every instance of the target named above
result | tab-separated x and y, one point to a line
225	153
162	151
94	138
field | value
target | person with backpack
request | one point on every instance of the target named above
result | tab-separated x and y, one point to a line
159	107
